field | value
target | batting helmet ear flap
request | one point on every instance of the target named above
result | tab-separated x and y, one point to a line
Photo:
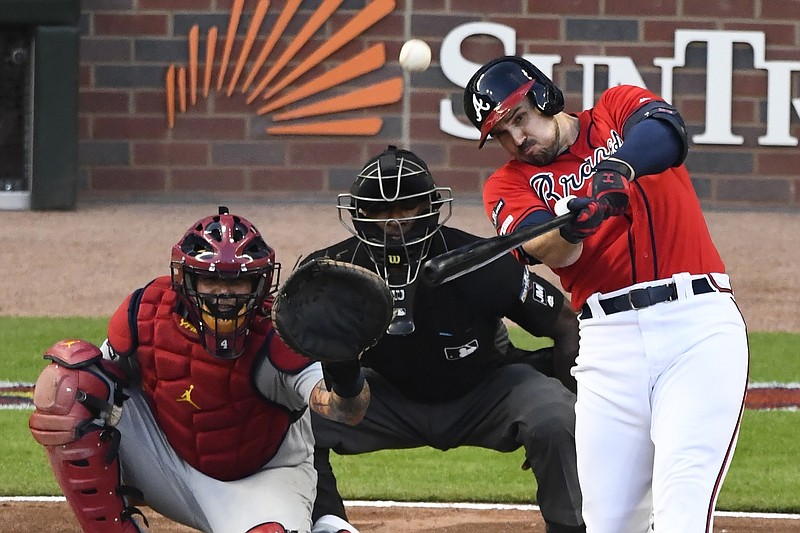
547	97
499	85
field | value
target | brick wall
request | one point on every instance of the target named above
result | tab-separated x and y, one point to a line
220	143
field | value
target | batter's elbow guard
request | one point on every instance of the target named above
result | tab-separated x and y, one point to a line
78	401
667	113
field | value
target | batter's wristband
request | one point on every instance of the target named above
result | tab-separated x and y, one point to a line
617	165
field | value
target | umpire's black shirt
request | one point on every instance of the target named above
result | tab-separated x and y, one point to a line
454	345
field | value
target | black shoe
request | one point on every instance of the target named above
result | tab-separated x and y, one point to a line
551	527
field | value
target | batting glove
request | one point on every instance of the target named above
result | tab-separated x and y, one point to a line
589	214
610	185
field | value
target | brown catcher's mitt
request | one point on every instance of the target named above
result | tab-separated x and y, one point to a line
332	311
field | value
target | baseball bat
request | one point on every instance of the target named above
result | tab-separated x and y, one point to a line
470	257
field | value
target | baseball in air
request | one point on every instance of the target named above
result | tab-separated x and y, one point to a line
415	55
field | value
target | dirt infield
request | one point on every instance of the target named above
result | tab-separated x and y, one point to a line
84	263
19	517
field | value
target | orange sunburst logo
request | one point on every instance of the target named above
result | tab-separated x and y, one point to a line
267	84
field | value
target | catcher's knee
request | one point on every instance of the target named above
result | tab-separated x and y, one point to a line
77	403
76	393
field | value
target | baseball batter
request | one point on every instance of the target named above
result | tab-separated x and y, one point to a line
663	361
194	405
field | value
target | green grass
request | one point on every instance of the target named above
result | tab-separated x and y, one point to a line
764	475
23	340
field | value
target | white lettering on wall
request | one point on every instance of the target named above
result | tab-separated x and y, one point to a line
719	79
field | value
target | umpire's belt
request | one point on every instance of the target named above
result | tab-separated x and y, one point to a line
645	297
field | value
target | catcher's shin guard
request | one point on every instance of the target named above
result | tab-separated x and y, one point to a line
77	403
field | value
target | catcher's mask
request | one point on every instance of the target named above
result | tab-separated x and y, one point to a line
395	209
222	250
499	85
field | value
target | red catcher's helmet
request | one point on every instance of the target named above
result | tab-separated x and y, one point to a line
223	247
501	84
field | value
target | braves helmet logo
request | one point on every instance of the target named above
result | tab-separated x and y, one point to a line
480	106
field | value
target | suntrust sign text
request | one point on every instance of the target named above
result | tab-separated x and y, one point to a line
622	70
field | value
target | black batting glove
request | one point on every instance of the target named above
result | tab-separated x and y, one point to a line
589	214
344	378
610	185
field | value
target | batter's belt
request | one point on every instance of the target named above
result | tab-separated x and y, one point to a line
646	296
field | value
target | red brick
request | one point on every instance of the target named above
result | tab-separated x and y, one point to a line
642	54
133	25
461	181
337	153
127	179
207	179
777	161
390	25
664	30
490	157
780	9
564	7
150	102
166	153
218	128
429	5
505	7
101	101
128	127
776	34
650	7
750	83
172	5
719	9
546	28
235	103
293	179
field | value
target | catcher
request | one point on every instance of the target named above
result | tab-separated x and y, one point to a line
193	405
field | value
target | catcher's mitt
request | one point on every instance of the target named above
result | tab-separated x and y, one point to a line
332	311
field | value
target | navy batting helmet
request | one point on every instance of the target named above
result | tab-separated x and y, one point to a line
500	84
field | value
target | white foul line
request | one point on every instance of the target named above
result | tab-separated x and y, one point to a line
437	505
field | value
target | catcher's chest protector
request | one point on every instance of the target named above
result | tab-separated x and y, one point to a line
208	408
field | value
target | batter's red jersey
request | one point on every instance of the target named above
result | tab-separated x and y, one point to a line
662	233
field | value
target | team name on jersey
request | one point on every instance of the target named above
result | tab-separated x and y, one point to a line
551	188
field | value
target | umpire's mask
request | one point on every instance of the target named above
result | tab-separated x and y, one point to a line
395	209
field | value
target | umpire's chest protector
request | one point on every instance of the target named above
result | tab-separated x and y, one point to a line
208	408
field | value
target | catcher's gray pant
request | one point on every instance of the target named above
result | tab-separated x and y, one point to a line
183	494
514	406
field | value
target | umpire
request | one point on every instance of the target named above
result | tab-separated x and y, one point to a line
445	374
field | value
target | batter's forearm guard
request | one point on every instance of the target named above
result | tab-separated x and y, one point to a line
78	401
